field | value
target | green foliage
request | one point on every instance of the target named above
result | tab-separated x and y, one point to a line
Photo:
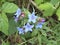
35	32
3	1
9	7
38	2
12	27
4	23
58	13
10	0
49	34
39	39
5	43
47	1
6	8
43	33
52	42
54	2
47	9
26	11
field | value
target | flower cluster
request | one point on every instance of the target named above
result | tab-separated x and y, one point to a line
31	18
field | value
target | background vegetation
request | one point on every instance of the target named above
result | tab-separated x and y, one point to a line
49	34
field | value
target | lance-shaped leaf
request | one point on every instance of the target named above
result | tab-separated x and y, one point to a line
54	2
3	23
9	7
58	13
38	1
47	9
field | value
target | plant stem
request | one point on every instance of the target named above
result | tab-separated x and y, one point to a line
28	40
35	5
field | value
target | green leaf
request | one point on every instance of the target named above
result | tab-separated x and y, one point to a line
35	32
58	43
12	26
58	13
3	1
5	43
9	7
38	1
43	33
52	42
46	1
10	0
47	9
3	23
39	39
49	44
54	2
18	44
44	39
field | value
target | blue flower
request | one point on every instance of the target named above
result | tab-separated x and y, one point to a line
21	31
18	12
39	25
28	27
16	19
32	17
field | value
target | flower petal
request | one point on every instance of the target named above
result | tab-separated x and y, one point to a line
18	12
28	27
32	17
21	31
